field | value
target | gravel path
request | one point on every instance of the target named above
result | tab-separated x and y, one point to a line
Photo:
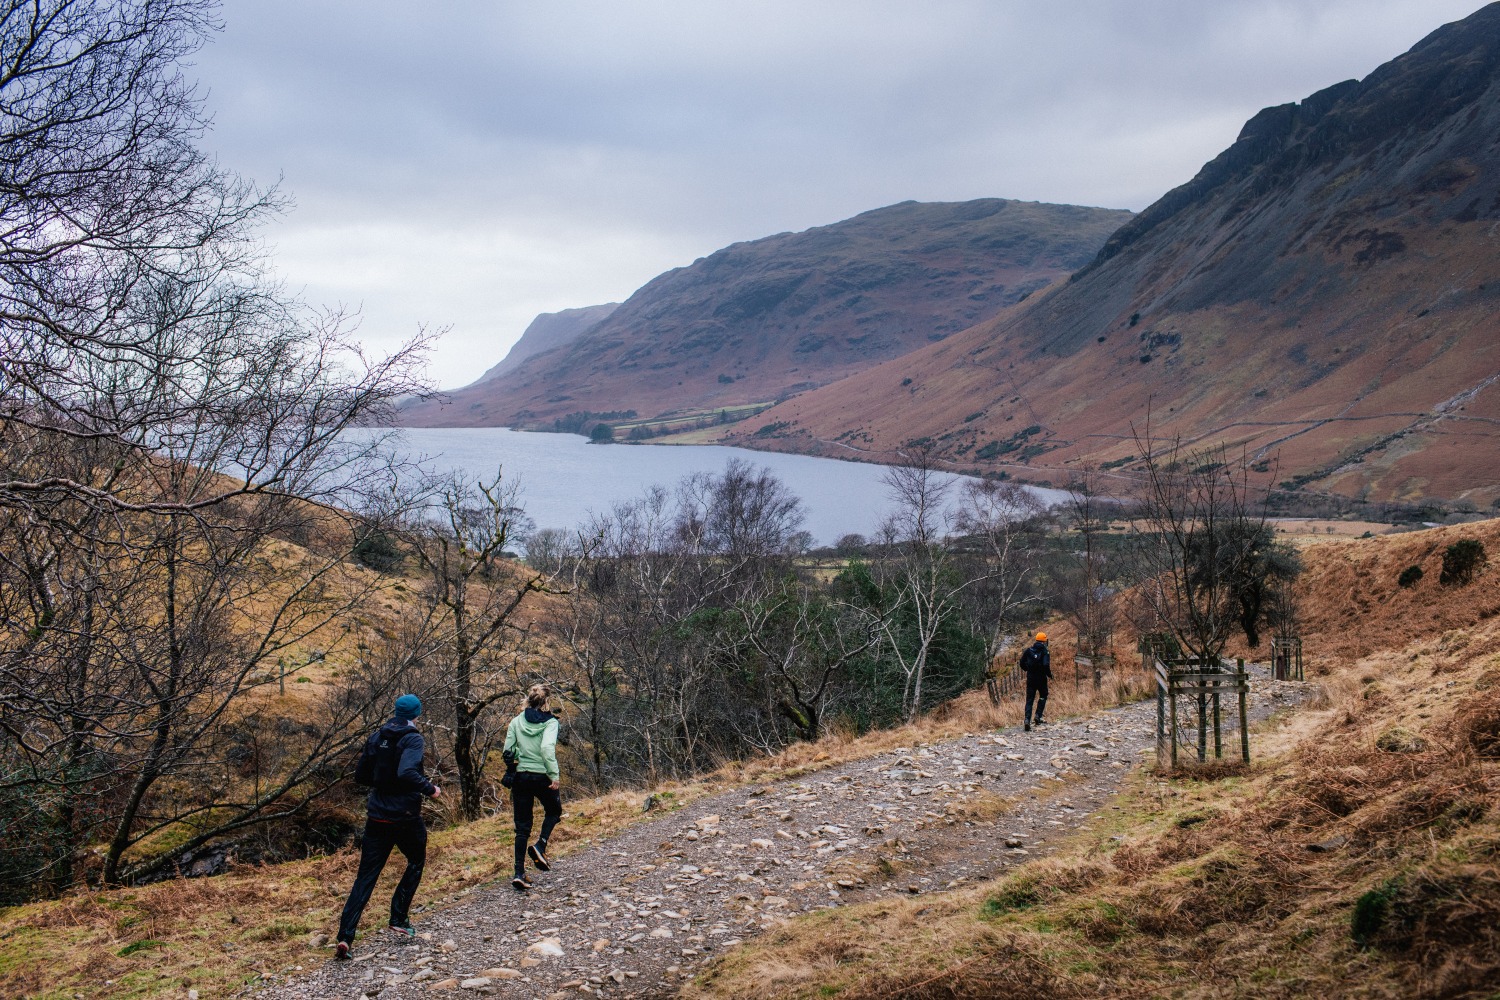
635	915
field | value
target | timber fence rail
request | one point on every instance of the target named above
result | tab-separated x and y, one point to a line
1005	681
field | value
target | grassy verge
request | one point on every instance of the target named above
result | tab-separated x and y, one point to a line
218	934
1358	856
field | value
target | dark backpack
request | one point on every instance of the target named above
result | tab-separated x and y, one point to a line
1031	659
380	759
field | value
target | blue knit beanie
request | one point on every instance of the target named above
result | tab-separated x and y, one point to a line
408	706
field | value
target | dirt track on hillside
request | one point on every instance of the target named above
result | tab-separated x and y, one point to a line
638	914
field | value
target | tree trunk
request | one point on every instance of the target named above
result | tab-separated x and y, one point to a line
470	792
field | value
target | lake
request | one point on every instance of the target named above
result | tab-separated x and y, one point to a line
564	478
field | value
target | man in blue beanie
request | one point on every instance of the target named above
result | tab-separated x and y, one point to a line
391	764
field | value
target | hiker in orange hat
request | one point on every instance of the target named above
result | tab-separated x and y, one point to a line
1037	663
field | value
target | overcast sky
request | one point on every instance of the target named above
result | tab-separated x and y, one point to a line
469	164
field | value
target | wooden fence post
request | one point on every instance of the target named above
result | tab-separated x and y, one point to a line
1243	683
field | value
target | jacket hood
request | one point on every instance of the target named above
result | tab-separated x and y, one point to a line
535	720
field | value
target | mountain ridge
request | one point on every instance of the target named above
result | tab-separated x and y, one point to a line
762	319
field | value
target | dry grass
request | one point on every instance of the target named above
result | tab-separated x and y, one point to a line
1352	607
218	934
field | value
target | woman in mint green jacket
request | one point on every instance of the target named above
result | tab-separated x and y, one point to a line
532	737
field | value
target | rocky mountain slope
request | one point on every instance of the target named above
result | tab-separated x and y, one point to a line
1325	293
547	331
760	320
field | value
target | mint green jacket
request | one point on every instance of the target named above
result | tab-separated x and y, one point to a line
533	736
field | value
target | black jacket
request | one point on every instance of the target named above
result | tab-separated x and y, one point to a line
1038	668
401	797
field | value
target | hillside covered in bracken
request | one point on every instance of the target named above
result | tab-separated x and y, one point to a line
1323	295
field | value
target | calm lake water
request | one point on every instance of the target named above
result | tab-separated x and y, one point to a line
564	478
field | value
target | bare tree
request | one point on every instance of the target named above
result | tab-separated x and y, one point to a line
481	641
804	640
169	422
920	569
1082	588
653	627
1001	525
1197	518
107	209
143	641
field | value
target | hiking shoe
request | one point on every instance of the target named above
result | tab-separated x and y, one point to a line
520	883
534	852
403	933
1028	727
341	951
1041	722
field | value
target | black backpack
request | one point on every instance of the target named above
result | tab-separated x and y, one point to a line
379	759
1031	659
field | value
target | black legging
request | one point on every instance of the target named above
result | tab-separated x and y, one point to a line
528	789
1037	690
407	836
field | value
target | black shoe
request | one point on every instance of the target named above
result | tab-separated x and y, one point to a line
1041	722
520	883
341	951
534	852
1028	727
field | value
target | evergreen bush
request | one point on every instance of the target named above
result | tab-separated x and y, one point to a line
1461	561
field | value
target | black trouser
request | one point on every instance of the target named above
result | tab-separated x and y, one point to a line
408	836
1037	690
531	788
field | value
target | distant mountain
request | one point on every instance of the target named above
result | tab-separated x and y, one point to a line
761	320
547	331
1326	292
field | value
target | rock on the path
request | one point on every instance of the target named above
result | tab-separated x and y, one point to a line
500	973
547	947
